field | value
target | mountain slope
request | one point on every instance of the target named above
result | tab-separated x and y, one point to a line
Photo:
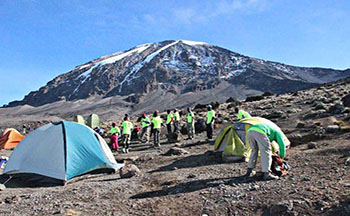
177	67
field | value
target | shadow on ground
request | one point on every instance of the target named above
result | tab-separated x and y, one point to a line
192	186
206	159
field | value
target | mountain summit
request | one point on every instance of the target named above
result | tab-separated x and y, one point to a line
178	68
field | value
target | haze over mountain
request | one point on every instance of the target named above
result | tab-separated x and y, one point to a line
177	73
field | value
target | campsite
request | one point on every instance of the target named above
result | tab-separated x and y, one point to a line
199	180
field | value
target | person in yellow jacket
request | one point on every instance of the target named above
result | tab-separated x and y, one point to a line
126	134
176	121
241	114
210	122
157	122
145	125
169	121
190	123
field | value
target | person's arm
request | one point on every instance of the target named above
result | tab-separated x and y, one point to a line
281	144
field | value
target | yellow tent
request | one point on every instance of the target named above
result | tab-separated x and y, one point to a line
233	140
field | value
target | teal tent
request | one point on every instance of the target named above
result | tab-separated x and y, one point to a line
61	151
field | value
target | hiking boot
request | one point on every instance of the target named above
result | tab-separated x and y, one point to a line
127	150
123	150
269	176
250	172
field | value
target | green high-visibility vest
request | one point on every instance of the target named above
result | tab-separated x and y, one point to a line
157	122
190	117
114	130
210	116
176	116
127	127
169	117
145	122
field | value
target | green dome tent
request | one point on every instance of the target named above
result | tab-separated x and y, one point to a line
79	119
233	141
93	121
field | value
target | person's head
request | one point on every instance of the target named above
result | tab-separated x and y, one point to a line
168	111
209	107
236	109
155	114
126	115
114	124
189	109
126	118
175	110
144	115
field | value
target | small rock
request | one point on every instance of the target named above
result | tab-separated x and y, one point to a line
332	128
129	171
176	151
191	176
281	208
301	124
312	145
347	162
2	187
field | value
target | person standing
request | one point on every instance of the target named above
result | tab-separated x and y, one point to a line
114	136
242	114
210	122
169	120
176	121
190	123
145	125
157	124
127	128
260	136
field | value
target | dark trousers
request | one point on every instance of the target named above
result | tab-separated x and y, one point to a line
157	137
210	131
168	127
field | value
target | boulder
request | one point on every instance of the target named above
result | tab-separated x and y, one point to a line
281	208
312	145
301	124
129	171
332	128
176	151
346	100
254	98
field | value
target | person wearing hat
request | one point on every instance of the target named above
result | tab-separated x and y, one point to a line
157	125
210	122
242	114
190	123
114	136
127	128
176	121
145	125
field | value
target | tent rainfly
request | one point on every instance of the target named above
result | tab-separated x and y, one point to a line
61	151
10	138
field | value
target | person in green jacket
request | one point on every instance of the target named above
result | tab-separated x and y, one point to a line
190	123
260	137
157	124
176	121
242	114
210	122
126	134
169	120
145	125
114	136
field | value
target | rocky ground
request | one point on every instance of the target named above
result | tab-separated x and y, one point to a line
198	182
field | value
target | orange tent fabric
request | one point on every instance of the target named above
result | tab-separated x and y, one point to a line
10	138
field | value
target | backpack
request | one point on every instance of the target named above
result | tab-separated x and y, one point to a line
279	166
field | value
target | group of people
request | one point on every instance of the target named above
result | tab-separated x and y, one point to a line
260	135
153	126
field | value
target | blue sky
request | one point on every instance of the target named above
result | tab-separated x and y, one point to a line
40	39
